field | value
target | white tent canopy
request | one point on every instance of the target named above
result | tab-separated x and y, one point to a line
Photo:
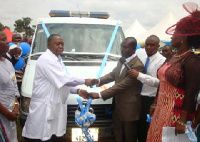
135	29
159	29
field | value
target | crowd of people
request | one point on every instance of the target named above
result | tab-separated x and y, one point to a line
170	84
164	85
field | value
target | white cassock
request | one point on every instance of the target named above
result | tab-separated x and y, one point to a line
48	108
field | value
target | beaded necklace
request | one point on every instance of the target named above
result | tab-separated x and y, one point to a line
178	56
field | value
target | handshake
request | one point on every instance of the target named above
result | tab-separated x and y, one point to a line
84	94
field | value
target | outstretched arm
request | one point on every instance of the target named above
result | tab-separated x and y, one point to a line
91	82
80	92
144	78
93	95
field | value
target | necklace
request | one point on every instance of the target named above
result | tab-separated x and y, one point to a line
178	56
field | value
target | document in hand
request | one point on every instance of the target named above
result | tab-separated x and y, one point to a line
168	135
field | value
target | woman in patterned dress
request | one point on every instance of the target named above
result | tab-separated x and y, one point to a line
179	81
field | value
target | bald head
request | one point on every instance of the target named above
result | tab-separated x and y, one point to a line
128	47
55	44
51	37
132	41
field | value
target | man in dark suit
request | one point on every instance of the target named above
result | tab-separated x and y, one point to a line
125	93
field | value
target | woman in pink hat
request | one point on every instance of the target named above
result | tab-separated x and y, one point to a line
179	81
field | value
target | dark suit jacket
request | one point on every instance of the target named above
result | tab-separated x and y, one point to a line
126	91
12	60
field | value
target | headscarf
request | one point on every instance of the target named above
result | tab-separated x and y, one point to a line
189	25
15	46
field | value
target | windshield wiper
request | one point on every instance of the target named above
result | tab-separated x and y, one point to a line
94	56
101	57
78	56
70	57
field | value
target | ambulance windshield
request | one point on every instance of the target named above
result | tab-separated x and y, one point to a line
80	38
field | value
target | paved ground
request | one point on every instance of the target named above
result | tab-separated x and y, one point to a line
65	138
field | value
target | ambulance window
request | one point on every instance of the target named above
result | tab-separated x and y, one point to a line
80	38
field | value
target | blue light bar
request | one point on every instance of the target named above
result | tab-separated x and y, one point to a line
102	15
59	13
63	13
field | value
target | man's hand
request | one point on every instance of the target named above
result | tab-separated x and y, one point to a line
83	94
91	82
133	73
94	82
88	82
93	95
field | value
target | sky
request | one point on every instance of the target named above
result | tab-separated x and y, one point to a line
147	12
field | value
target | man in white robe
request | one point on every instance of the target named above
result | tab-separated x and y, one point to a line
47	116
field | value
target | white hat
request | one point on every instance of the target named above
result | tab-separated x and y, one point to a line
14	46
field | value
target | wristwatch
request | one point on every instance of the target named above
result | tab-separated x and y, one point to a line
16	103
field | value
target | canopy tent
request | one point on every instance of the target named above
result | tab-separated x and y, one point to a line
9	34
159	29
135	29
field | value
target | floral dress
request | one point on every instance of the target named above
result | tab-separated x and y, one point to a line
179	85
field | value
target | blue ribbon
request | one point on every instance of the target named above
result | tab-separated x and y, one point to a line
88	105
107	51
87	135
101	67
85	109
148	118
190	134
47	34
45	29
80	103
65	68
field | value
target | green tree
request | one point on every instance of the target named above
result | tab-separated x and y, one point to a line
23	25
2	27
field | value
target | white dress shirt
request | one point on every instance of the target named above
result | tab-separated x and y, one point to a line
127	60
48	107
198	98
123	66
150	80
8	55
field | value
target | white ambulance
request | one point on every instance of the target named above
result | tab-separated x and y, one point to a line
86	38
